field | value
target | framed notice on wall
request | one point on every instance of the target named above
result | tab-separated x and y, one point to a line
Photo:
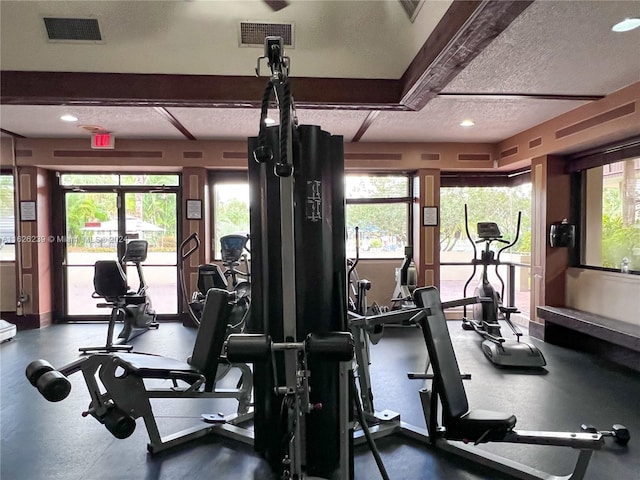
27	211
194	209
429	216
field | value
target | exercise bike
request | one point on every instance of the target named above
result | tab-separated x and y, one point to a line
132	308
234	250
486	314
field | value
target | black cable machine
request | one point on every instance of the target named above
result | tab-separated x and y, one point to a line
298	285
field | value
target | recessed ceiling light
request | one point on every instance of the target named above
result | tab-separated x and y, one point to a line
626	24
269	121
467	123
68	118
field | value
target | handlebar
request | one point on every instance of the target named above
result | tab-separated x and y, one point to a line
357	259
193	237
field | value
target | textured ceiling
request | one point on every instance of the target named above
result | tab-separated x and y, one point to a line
363	39
560	47
553	47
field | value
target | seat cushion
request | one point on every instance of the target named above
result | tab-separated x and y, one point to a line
482	425
153	366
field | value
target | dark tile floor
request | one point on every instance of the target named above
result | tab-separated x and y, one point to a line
42	440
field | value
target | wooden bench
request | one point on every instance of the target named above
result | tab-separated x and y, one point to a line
585	330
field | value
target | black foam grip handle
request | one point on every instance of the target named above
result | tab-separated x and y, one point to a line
248	348
334	346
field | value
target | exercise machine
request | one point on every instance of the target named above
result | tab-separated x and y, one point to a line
295	391
121	385
406	282
210	275
131	307
7	331
298	277
456	426
487	314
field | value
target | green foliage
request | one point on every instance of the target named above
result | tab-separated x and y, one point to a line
485	204
618	240
379	220
375	243
86	207
231	216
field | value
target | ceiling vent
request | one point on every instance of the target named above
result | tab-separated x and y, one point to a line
252	34
73	29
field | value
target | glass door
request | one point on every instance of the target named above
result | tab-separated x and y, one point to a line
92	234
152	216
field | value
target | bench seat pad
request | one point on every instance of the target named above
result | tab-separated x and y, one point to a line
474	425
153	366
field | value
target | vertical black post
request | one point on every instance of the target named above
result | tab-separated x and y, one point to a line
320	289
511	278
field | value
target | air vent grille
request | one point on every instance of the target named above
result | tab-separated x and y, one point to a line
70	29
253	33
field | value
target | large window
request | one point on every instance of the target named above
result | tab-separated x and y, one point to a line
7	218
377	204
380	206
485	204
230	211
611	223
102	212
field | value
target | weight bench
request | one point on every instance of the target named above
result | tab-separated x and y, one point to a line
462	425
120	384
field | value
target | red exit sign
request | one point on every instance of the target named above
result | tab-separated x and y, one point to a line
102	140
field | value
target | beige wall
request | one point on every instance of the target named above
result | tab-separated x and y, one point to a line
613	118
610	294
381	274
7	287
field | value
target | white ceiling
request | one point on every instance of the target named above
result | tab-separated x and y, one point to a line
553	47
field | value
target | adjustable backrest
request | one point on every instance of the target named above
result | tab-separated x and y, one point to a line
109	281
211	334
210	276
443	358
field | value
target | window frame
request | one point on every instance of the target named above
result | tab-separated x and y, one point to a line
408	200
577	166
5	172
214	178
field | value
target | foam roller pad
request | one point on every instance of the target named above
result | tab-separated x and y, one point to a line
335	346
248	348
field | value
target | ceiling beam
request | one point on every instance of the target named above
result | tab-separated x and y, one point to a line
167	115
521	96
466	29
12	134
159	90
365	125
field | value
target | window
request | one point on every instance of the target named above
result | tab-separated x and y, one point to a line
379	205
499	204
7	218
107	179
230	211
611	222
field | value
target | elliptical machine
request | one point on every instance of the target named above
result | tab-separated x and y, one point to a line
487	313
132	308
234	251
406	282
